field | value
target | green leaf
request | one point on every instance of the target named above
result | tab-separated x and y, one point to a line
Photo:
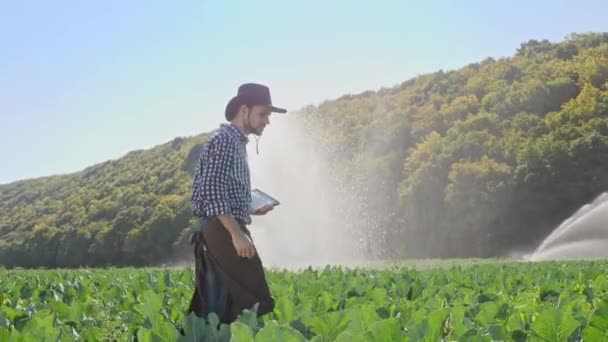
385	330
211	332
5	334
379	297
285	310
12	315
457	323
487	297
519	336
487	312
147	323
498	332
144	335
214	321
168	280
516	322
249	318
62	309
600	316
594	334
76	309
415	290
26	290
419	331
273	332
241	332
468	335
223	334
436	321
326	301
598	324
477	338
351	336
362	317
305	309
42	324
92	334
553	325
329	325
165	331
549	292
150	304
429	329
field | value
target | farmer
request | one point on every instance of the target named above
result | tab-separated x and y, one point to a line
229	273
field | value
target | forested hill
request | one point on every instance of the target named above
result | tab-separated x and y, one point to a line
129	211
478	161
484	160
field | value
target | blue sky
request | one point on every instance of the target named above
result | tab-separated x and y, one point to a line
82	82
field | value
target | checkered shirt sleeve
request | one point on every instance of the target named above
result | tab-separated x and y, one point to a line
210	194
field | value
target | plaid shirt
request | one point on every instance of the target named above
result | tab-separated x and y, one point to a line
222	181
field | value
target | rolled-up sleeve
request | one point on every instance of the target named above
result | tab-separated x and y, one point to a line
215	173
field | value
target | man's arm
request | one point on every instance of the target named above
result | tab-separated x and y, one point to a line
214	179
214	176
242	243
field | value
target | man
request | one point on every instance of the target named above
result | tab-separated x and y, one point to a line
229	272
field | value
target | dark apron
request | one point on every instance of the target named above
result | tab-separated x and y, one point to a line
225	282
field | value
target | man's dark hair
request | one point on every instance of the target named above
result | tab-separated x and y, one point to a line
234	105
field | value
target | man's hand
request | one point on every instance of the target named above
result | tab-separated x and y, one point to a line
263	210
241	241
243	245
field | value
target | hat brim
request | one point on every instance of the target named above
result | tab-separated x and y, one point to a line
240	100
277	109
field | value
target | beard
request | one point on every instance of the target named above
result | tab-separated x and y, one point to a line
255	130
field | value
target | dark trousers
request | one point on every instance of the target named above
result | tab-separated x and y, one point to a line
225	282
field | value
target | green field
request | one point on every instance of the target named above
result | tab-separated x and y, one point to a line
450	301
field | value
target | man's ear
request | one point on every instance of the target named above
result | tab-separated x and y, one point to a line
244	109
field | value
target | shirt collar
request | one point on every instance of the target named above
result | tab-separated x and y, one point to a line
235	132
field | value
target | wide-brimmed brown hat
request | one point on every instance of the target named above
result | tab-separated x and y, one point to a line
253	94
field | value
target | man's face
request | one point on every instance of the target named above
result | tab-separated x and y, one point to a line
259	117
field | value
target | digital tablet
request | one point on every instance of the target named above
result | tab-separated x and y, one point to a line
260	199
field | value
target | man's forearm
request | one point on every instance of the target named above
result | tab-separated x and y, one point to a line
230	224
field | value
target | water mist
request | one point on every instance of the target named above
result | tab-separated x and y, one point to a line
311	225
